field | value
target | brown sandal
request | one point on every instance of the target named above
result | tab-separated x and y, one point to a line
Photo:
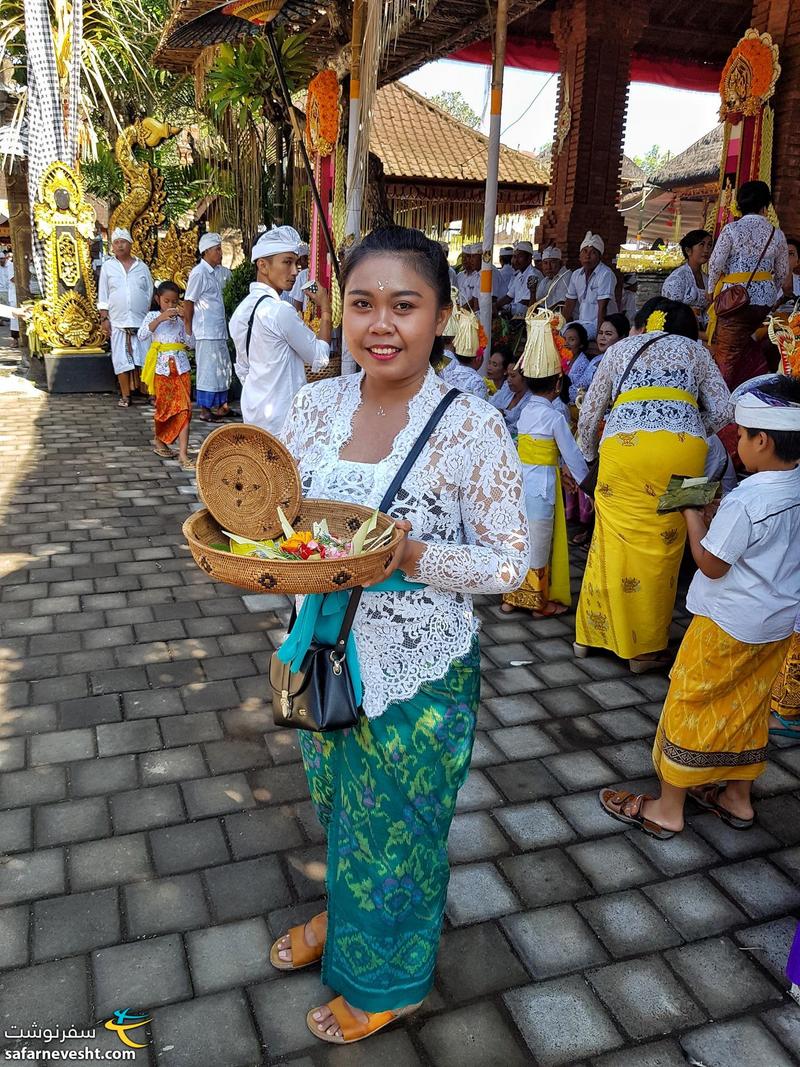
707	796
352	1028
627	807
303	954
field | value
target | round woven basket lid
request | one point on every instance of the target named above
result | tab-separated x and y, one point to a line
244	475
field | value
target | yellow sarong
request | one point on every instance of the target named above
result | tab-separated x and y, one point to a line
715	722
737	278
629	586
148	373
786	690
550	582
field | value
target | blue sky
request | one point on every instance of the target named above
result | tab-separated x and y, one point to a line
672	118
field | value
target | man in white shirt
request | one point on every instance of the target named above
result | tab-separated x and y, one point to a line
204	317
591	287
551	290
468	282
125	293
272	343
518	298
505	271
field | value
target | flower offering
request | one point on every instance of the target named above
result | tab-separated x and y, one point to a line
313	545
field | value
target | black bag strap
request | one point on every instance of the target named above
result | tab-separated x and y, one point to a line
267	296
758	262
629	368
385	504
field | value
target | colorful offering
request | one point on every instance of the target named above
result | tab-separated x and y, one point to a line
313	545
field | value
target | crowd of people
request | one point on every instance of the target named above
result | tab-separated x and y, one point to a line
589	422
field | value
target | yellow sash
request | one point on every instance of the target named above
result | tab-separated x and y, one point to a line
148	374
537	452
738	278
655	392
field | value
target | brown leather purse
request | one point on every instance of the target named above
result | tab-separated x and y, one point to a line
736	297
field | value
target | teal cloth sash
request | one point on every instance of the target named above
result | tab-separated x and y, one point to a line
320	619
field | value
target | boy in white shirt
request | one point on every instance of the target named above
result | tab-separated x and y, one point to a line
714	725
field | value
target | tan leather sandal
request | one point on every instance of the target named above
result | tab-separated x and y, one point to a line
352	1028
303	954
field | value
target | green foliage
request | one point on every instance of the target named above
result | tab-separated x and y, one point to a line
238	286
103	177
454	103
654	159
243	78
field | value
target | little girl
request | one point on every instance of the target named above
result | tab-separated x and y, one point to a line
166	372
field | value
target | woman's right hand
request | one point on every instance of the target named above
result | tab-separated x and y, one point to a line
320	297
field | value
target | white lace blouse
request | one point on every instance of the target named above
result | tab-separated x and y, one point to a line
738	247
673	362
463	497
682	285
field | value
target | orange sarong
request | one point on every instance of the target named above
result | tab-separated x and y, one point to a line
173	403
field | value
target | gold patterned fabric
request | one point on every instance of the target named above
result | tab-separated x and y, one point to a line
629	586
534	593
715	722
785	700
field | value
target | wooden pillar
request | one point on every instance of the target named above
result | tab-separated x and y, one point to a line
781	19
594	40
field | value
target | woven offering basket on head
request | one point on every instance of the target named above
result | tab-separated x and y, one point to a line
244	475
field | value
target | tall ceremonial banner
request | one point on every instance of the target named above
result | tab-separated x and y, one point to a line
322	132
747	84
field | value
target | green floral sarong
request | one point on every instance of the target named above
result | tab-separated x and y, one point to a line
385	792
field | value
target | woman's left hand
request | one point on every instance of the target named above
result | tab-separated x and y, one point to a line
406	554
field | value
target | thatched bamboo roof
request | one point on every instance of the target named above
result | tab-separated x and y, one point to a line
698	164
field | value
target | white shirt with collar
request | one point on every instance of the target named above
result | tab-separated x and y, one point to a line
543	421
296	294
281	345
125	294
600	285
519	290
469	285
756	531
553	291
505	274
204	289
465	378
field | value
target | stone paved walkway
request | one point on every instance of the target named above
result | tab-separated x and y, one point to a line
156	832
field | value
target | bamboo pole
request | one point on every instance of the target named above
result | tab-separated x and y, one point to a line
492	169
355	182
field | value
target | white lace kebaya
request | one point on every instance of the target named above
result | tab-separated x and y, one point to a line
463	497
673	362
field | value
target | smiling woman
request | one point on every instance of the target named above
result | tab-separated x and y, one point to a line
385	791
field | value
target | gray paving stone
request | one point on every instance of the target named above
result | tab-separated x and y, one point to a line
73	820
516	709
248	888
523	742
660	1006
143	809
775	779
477	792
283	746
580	770
141	975
553	941
583	812
536	825
217	796
769	944
758	888
784	1022
393	1047
12	754
254	833
187	848
721	977
513	680
789	861
206	1032
733	844
101	776
46	995
230	955
16	833
611	864
117	739
683	853
280	1010
625	724
780	817
694	906
474	836
149	703
501	655
169	675
631	759
39	785
561	673
95	864
471	1037
307	869
209	696
30	720
171	765
229	755
739	1041
63	746
190	729
89	711
478	892
75	924
657	1054
13	937
613	694
476	961
628	923
561	1021
548	877
575	732
524	780
32	875
166	905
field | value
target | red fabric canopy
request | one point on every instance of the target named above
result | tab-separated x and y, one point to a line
532	53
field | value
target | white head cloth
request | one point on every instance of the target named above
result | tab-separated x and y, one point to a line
758	410
524	246
473	250
537	255
121	235
208	240
273	242
303	249
593	240
551	253
507	250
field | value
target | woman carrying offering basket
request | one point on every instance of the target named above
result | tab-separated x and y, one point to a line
385	790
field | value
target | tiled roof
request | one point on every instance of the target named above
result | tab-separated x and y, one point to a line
416	139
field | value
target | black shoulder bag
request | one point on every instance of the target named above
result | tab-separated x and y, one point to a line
319	696
589	483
